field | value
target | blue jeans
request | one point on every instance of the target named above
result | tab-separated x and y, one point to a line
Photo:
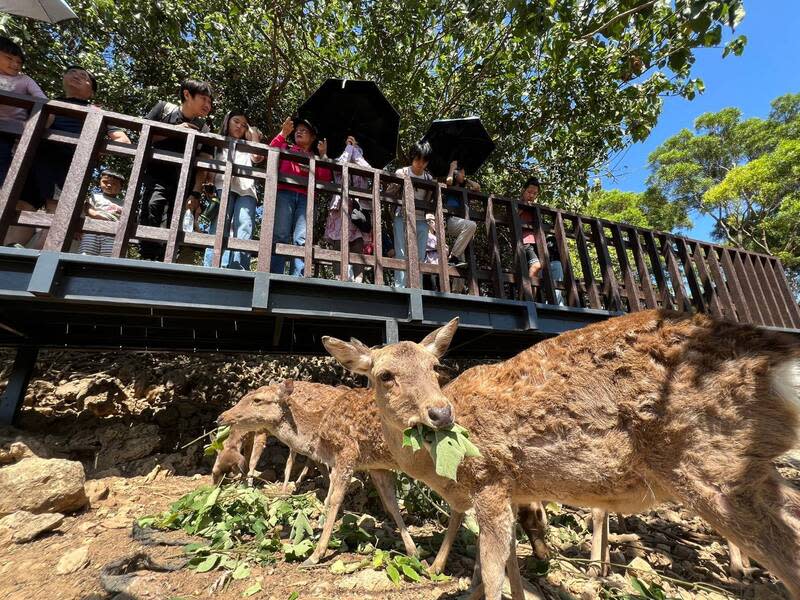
290	228
400	244
557	272
241	216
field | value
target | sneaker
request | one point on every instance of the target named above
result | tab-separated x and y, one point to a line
457	263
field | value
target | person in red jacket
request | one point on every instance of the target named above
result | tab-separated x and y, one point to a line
290	205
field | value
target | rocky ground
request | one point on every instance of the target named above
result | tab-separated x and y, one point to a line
103	442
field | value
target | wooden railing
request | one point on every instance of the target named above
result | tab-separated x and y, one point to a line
607	266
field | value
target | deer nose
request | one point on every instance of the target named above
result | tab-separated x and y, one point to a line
441	416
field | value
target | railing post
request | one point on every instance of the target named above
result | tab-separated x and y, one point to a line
412	252
73	195
441	242
377	233
681	301
20	165
344	211
709	292
175	230
268	216
519	252
586	265
128	220
496	265
474	290
720	285
570	288
737	294
610	287
311	197
631	289
641	265
548	285
222	228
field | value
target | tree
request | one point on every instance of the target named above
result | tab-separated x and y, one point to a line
744	174
647	209
560	84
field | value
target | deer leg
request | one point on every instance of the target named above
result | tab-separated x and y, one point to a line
287	472
600	552
384	483
533	519
497	521
259	443
740	564
453	524
340	477
300	477
512	568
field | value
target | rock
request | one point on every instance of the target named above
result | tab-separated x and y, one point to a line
367	522
367	580
96	490
72	561
15	452
23	526
42	485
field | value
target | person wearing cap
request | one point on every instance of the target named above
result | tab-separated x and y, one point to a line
298	135
49	172
530	193
105	205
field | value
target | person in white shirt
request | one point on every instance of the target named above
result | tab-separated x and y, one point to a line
241	213
105	205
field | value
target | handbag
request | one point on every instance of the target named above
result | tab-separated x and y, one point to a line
359	219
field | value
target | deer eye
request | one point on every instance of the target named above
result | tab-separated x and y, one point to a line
386	376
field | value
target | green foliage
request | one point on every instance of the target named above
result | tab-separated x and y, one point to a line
419	500
643	591
648	209
742	173
448	446
399	567
218	437
561	85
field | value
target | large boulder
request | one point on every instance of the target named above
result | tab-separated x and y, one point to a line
41	485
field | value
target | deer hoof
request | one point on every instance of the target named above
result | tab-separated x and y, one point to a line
541	550
311	561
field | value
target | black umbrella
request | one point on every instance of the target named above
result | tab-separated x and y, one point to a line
464	140
342	107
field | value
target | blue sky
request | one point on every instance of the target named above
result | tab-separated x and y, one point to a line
769	67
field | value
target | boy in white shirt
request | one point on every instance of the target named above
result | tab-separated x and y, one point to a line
105	205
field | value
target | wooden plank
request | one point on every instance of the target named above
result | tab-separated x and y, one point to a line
720	285
658	270
771	294
268	215
472	278
641	266
589	283
698	298
311	192
412	252
21	163
709	287
127	222
610	287
780	300
780	275
572	297
175	230
73	194
519	252
546	277
631	289
344	230
441	242
759	294
223	227
377	231
495	266
735	288
681	301
747	288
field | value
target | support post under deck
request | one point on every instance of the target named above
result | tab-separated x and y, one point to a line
14	394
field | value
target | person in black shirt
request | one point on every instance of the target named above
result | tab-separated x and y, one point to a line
49	171
161	179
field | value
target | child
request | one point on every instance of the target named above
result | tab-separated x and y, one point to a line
12	80
242	199
530	193
105	205
290	207
161	179
431	252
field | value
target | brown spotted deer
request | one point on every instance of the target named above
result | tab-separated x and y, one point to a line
618	415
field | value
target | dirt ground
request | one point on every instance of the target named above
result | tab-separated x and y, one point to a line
680	547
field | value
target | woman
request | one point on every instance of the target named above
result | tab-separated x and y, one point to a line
333	225
290	206
241	213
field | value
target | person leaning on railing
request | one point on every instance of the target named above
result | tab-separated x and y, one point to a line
530	193
50	168
161	179
290	208
462	229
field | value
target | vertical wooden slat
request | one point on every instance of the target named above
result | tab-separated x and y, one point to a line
709	289
658	269
412	252
641	267
571	290
496	267
681	301
519	253
441	242
223	227
311	199
759	293
268	216
737	293
377	232
586	266
747	288
771	293
631	289
472	268
720	285
73	194
175	231
546	277
780	275
127	221
691	277
780	301
610	287
20	165
344	231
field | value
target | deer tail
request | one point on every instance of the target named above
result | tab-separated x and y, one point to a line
786	382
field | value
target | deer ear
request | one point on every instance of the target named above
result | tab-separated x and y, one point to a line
355	357
437	342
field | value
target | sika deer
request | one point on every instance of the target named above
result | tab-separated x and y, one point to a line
618	415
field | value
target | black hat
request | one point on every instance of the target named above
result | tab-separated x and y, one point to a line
114	174
304	120
531	181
